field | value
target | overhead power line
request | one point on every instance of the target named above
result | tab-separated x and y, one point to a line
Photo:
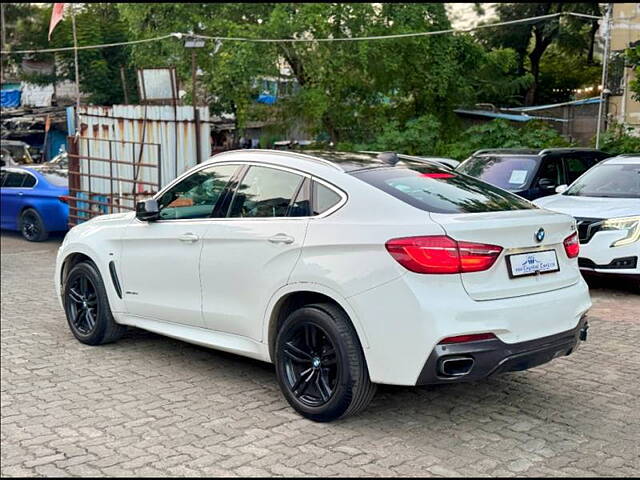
179	35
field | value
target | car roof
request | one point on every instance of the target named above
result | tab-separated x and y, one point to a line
626	159
532	152
342	161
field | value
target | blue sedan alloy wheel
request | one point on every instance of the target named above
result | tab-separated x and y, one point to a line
32	226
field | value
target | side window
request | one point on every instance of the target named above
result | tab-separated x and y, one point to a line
323	198
551	169
264	192
576	166
197	195
3	175
29	181
14	180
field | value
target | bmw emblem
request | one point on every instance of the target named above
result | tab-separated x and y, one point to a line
540	235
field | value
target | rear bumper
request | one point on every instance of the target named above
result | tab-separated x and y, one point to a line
489	357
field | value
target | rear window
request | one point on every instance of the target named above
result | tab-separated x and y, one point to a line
510	173
441	191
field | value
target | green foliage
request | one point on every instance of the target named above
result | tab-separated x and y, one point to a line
632	56
618	139
422	137
415	137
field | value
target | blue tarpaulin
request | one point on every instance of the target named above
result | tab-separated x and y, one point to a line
10	98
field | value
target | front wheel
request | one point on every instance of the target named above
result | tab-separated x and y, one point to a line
32	227
87	306
320	365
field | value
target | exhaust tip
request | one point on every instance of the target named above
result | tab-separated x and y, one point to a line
455	366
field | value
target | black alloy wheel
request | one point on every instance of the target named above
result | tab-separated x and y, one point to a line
87	306
310	364
83	304
32	226
320	364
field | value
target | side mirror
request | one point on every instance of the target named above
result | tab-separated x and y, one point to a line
561	188
546	183
147	210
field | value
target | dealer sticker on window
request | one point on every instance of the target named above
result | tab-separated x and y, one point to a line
532	263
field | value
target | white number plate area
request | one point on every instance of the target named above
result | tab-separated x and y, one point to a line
532	263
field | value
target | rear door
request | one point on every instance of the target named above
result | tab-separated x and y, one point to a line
250	254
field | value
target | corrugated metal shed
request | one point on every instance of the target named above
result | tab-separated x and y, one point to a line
161	132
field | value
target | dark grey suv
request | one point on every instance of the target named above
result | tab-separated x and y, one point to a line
531	173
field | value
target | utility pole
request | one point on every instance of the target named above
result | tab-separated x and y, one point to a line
605	67
4	41
75	57
194	43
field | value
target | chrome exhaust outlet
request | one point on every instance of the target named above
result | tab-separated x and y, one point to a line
455	366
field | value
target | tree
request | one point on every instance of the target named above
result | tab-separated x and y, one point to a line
531	40
97	23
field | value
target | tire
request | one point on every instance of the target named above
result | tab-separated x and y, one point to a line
32	227
323	375
84	291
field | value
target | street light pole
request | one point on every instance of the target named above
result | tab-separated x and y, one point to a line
605	67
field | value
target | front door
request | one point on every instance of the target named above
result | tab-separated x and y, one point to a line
160	260
251	253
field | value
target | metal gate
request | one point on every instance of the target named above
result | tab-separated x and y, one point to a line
110	176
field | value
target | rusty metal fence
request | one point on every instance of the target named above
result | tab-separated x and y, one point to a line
116	168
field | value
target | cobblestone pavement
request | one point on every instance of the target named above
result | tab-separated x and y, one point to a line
149	405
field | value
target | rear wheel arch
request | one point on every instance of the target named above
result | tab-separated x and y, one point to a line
291	301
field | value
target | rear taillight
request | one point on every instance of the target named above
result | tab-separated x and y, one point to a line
64	198
572	245
468	338
442	254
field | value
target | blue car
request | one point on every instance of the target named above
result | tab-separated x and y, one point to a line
33	201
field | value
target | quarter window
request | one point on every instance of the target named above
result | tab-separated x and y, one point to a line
264	192
323	198
197	195
29	181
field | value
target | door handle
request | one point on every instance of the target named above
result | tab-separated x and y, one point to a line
20	194
188	237
282	238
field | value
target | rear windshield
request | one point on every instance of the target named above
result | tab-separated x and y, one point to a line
609	181
511	173
441	191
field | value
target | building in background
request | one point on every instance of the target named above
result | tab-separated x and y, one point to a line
625	33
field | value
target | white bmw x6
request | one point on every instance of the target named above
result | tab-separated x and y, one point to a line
344	270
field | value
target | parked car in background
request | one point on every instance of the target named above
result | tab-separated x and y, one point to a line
343	269
33	201
530	173
14	153
605	202
441	161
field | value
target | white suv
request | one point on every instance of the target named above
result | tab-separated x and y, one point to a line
345	270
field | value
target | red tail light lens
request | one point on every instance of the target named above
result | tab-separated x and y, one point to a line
64	198
442	254
572	245
468	338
